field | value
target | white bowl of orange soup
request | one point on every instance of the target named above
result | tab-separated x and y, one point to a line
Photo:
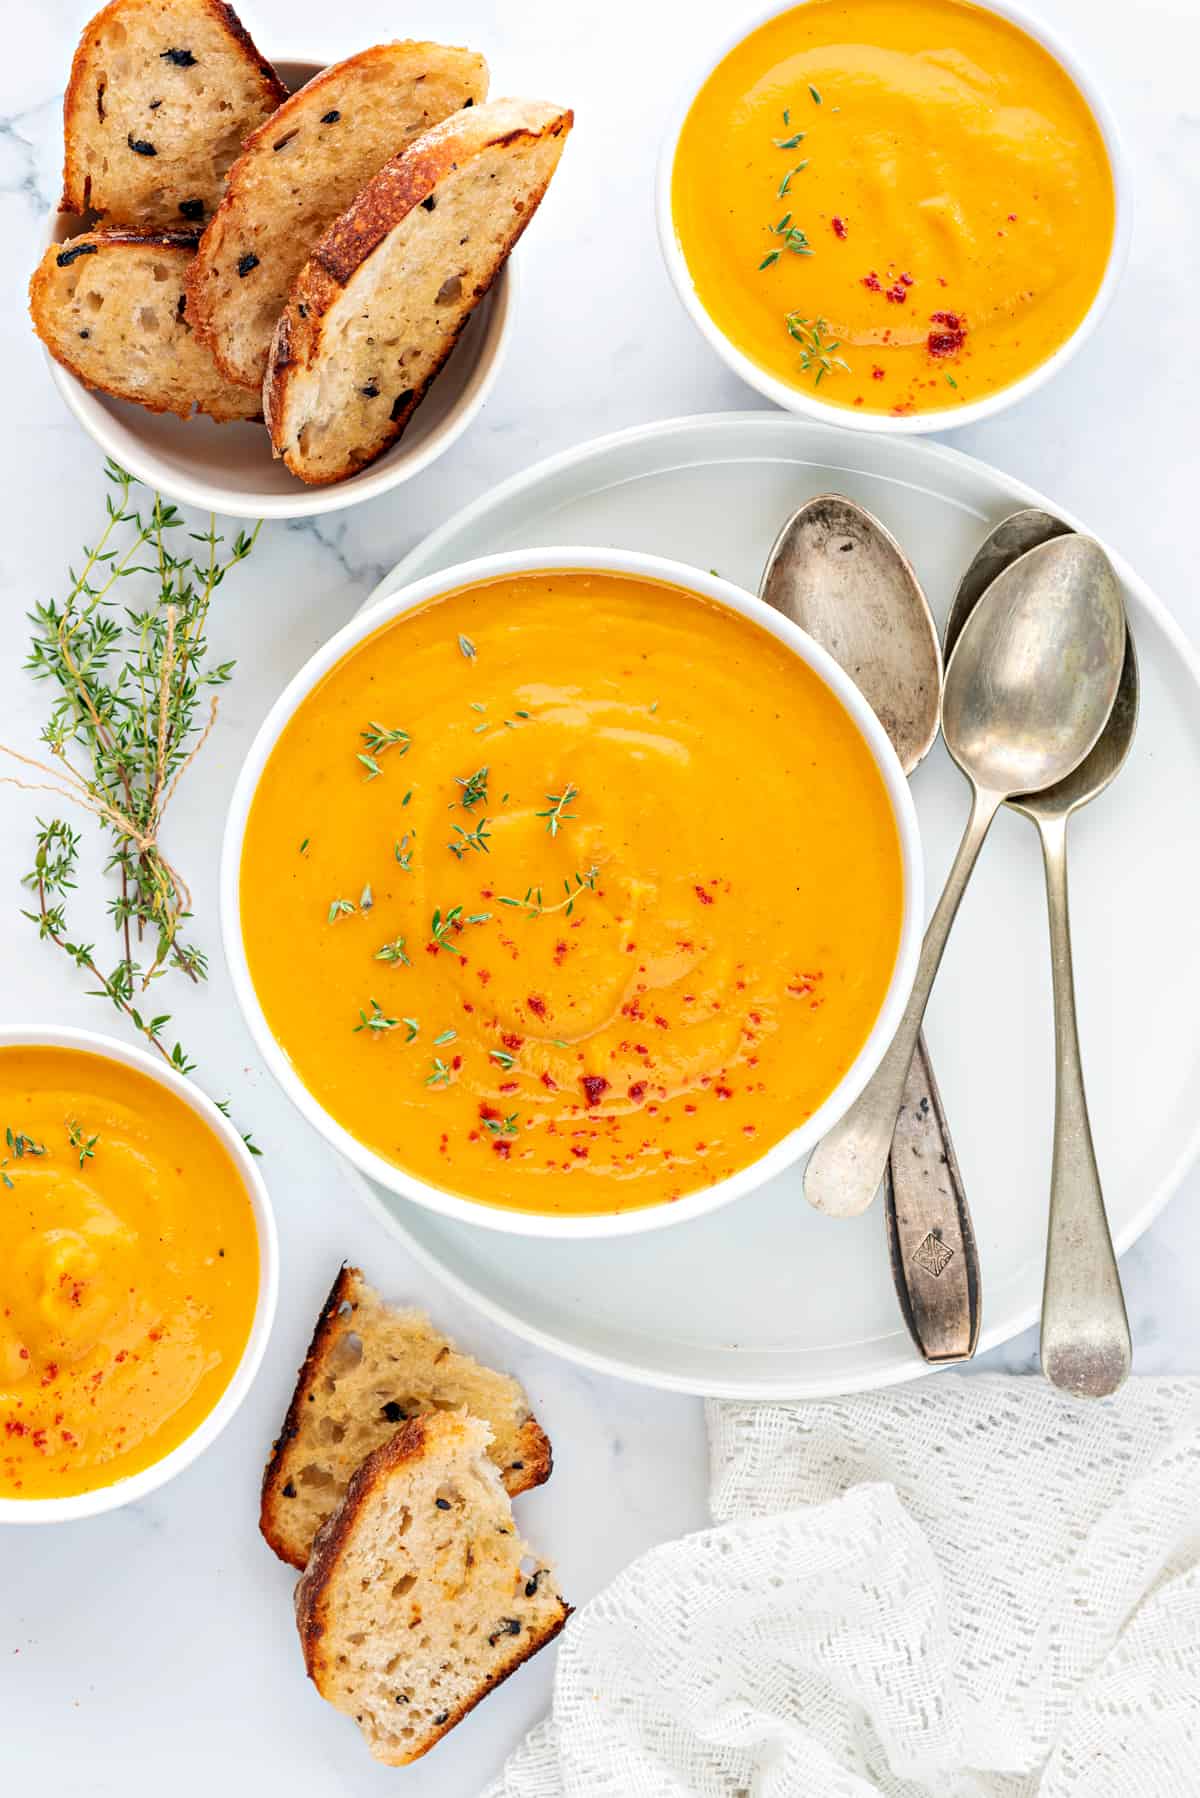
140	1274
571	892
905	217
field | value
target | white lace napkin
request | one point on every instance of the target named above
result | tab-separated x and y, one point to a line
974	1588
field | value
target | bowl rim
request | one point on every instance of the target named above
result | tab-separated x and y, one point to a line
394	467
137	1486
564	558
809	404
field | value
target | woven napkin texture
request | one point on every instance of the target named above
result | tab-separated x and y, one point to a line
975	1588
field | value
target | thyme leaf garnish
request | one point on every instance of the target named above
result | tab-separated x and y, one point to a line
470	839
556	813
816	349
474	788
86	1145
441	927
393	952
534	906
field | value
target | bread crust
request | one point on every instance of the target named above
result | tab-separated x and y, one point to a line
534	1449
318	1348
408	1444
41	301
76	195
399	187
297	105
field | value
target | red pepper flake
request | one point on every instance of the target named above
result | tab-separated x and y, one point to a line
536	1004
896	295
511	1040
872	281
949	340
550	1085
484	974
579	1150
907	280
501	1148
594	1087
510	1086
662	1023
1012	218
877	373
432	949
13	1426
839	228
456	1063
51	1373
723	1092
637	1090
488	1111
703	897
560	952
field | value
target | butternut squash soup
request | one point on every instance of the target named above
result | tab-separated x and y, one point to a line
903	207
571	892
130	1271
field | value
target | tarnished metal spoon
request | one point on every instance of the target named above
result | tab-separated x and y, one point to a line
837	573
1086	1347
1029	688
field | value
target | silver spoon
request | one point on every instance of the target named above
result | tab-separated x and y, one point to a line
1028	690
837	573
1086	1347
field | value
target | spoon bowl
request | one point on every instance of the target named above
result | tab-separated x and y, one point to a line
1034	674
1099	768
837	573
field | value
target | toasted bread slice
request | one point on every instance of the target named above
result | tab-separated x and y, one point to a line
419	1595
377	308
299	171
111	306
368	1370
161	95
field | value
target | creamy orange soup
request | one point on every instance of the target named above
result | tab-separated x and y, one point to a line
571	892
128	1271
900	204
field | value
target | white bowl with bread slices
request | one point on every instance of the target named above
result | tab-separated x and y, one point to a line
331	263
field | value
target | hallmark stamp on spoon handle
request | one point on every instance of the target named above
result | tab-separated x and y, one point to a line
930	1238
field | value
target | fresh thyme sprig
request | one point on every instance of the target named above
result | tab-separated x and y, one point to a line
470	839
816	349
86	1145
393	952
127	719
556	813
474	788
377	1023
534	905
502	1126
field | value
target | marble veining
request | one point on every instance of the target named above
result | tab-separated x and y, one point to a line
153	1648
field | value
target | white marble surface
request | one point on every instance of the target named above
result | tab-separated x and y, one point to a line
152	1649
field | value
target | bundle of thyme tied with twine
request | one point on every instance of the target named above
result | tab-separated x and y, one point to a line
128	719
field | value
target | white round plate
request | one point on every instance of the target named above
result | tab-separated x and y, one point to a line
766	1299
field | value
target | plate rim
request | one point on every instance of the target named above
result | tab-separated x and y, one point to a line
422	558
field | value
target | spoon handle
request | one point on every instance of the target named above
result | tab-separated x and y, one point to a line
935	1261
1086	1347
846	1167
